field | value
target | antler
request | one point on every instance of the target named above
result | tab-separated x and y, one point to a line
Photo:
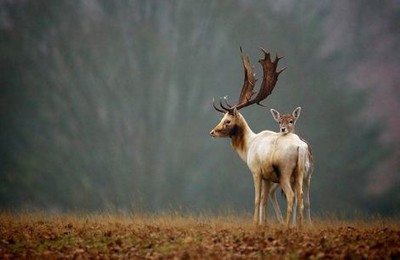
249	80
247	98
270	77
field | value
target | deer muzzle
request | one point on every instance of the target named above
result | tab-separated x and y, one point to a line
212	133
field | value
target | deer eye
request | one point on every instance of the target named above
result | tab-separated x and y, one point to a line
291	121
227	122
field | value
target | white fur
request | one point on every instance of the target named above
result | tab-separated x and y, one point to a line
264	153
284	123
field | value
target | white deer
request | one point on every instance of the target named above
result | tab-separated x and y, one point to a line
270	156
287	124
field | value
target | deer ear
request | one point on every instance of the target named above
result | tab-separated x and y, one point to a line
296	112
275	115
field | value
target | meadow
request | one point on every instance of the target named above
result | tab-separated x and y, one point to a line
179	236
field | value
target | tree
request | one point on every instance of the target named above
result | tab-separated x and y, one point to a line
108	104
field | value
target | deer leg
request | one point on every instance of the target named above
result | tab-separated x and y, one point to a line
294	209
257	195
292	183
287	189
277	209
264	200
307	198
299	198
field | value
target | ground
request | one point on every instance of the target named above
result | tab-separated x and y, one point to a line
167	236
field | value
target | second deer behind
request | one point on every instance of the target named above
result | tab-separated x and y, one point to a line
286	122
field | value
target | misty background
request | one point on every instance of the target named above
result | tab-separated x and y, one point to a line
107	105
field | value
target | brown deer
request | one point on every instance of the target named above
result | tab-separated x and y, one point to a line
287	124
270	156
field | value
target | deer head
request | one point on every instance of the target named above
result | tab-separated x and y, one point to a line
228	126
286	122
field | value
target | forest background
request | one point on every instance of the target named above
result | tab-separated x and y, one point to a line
107	105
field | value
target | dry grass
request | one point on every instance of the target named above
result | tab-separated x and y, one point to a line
177	236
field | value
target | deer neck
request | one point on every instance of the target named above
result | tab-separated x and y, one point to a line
241	137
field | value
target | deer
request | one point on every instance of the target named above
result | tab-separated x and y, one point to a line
270	156
287	124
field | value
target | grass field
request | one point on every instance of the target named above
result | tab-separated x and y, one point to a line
176	236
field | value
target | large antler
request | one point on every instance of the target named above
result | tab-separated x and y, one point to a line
249	80
247	95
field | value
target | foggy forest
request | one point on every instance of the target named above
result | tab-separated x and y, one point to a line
107	105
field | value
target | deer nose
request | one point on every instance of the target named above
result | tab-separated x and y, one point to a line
283	129
212	132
